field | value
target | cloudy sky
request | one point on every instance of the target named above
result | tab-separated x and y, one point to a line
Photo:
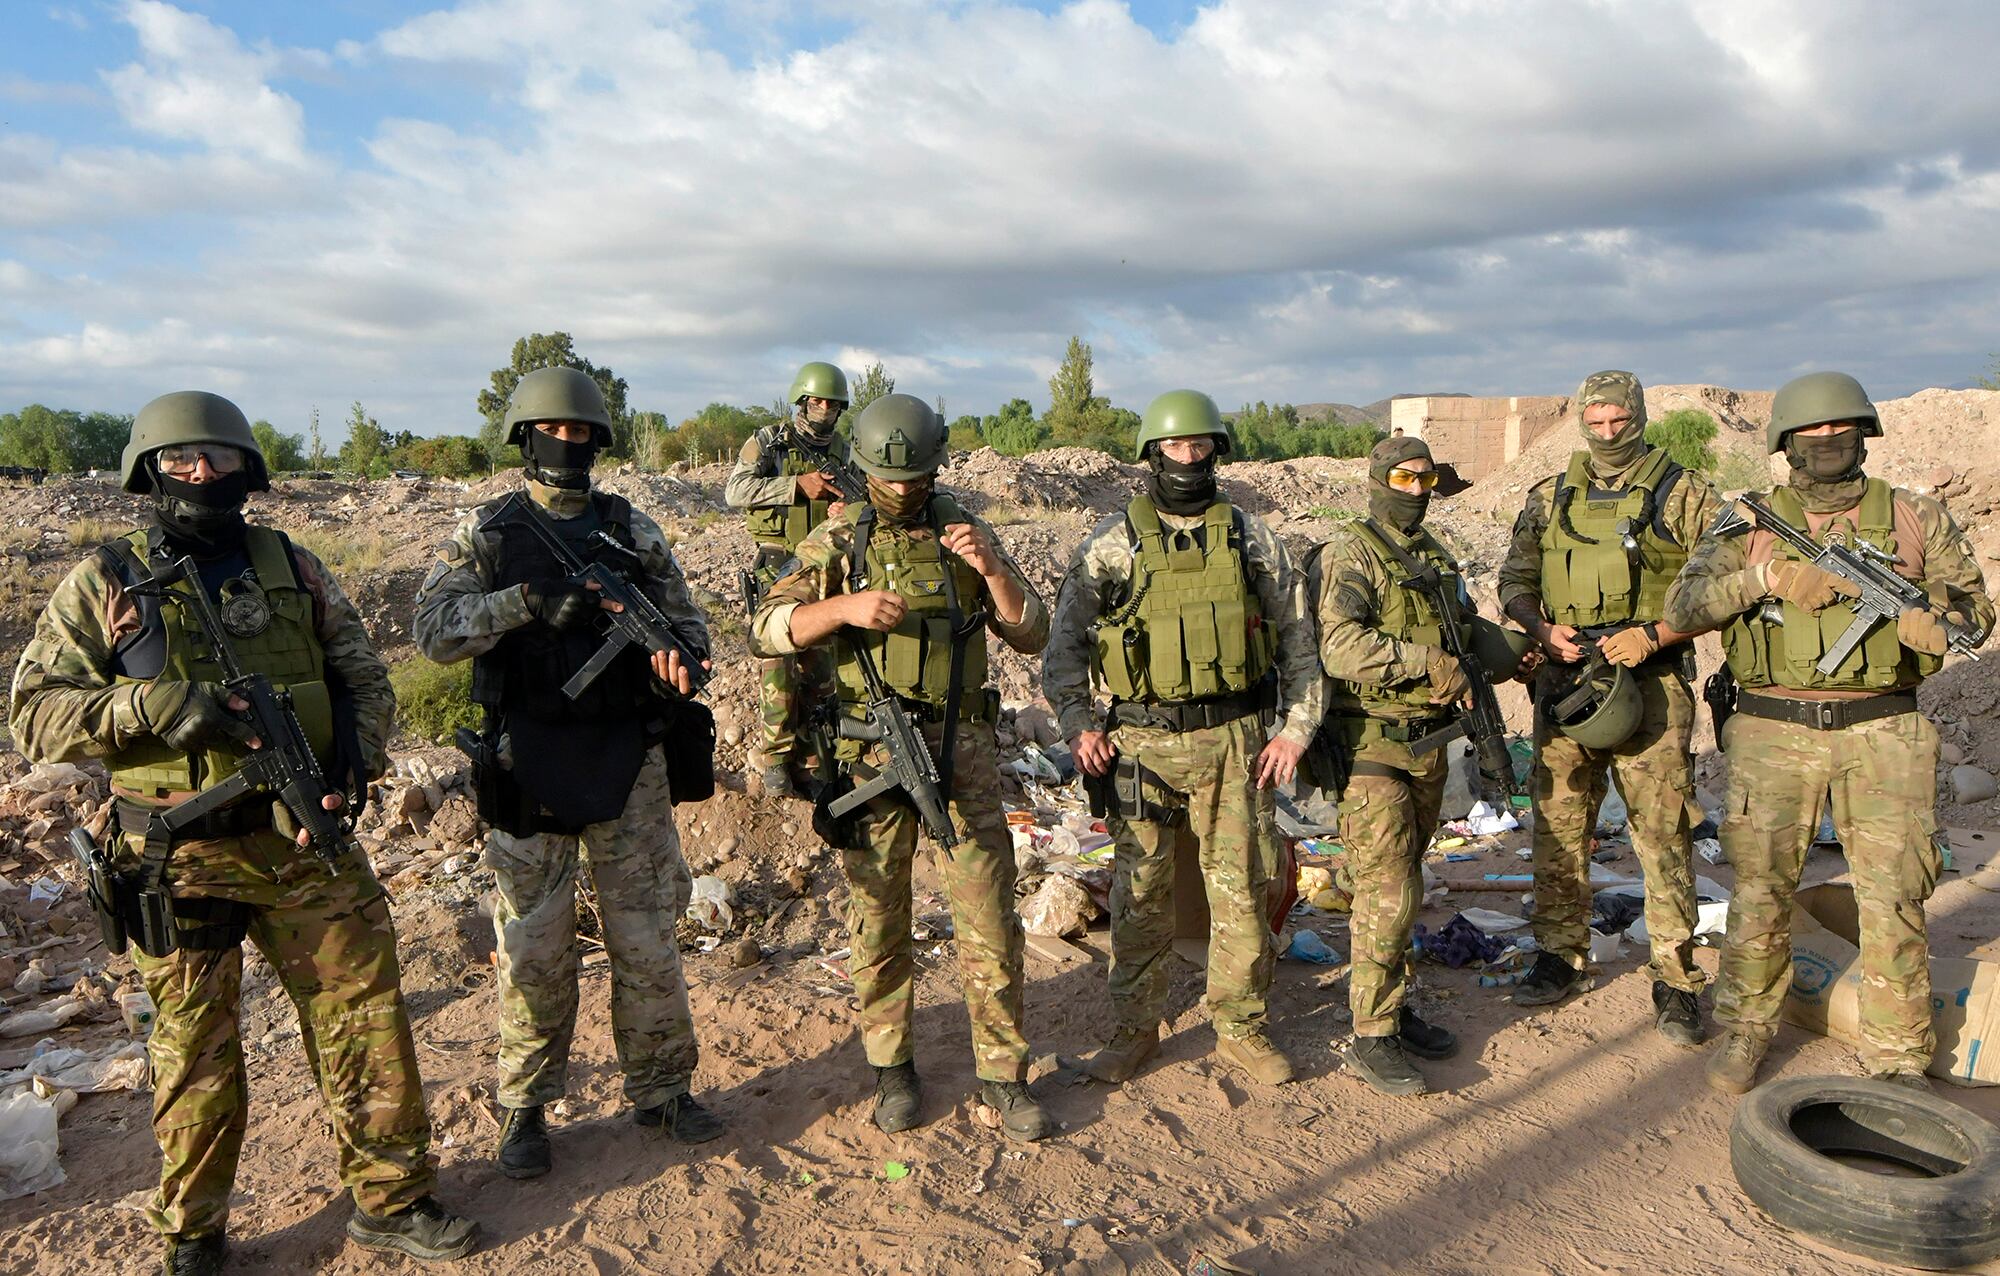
1298	200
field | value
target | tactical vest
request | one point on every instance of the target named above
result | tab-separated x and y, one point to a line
786	525
170	645
1607	556
914	658
524	672
1764	653
1192	625
1404	613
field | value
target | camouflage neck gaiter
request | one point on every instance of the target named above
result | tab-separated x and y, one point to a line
1826	469
1611	458
563	502
816	430
900	508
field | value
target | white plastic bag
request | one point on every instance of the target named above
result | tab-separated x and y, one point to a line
710	903
28	1161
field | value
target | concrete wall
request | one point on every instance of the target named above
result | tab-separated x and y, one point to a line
1477	436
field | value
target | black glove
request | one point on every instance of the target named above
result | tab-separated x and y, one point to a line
559	604
189	715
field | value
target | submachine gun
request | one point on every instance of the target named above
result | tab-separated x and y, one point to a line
639	622
910	766
1884	595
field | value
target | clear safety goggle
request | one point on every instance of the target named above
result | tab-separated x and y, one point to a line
1414	480
182	458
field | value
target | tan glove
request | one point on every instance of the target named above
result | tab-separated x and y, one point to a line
1448	684
1920	629
1630	646
1804	585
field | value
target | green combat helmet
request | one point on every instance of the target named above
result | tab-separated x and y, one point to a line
1610	714
821	381
191	416
1815	399
1182	414
557	394
1498	650
900	437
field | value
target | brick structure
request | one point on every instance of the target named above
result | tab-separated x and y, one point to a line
1477	436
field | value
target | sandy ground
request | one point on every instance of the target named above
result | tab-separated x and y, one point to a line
1568	1139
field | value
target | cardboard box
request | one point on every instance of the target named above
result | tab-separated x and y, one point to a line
1825	996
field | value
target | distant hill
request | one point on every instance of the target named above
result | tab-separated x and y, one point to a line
1376	413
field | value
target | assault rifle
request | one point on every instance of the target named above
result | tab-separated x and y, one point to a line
283	763
1884	595
1482	722
639	623
910	766
838	467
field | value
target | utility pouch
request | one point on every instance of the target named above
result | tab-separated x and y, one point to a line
1137	793
688	750
156	934
103	889
1102	790
501	802
1329	760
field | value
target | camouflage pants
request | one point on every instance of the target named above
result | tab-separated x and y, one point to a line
979	884
1656	778
642	885
1385	825
790	688
329	939
1229	820
1882	775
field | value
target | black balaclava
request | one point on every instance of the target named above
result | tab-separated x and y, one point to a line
1611	458
900	509
1403	511
1181	489
1826	469
204	520
555	463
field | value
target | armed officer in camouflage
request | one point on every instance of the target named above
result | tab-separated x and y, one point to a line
1593	553
780	485
1796	731
112	673
1392	682
564	780
1189	614
912	575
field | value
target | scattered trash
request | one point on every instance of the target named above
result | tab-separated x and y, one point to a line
46	890
1502	981
745	953
28	1145
1033	764
1710	849
138	1011
1605	947
46	1018
119	1066
1459	943
895	1171
1058	908
1490	922
1307	946
1484	821
1613	911
1612	817
712	903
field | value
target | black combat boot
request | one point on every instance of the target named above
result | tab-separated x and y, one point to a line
1424	1040
1549	980
685	1120
1677	1014
195	1255
524	1144
1380	1062
1022	1118
899	1098
426	1230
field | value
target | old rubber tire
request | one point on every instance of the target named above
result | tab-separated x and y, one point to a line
1778	1146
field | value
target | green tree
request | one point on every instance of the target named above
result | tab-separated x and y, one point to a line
551	350
966	434
101	438
366	443
316	457
1015	430
281	451
716	432
445	456
650	435
1685	433
1991	381
1078	416
872	385
39	436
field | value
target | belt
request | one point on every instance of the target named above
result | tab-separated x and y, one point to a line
977	706
1194	715
1826	715
1413	729
232	821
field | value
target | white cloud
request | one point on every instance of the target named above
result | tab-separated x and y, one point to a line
1285	199
198	83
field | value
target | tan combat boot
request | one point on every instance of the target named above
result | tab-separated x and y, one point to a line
1732	1069
1123	1056
1254	1053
